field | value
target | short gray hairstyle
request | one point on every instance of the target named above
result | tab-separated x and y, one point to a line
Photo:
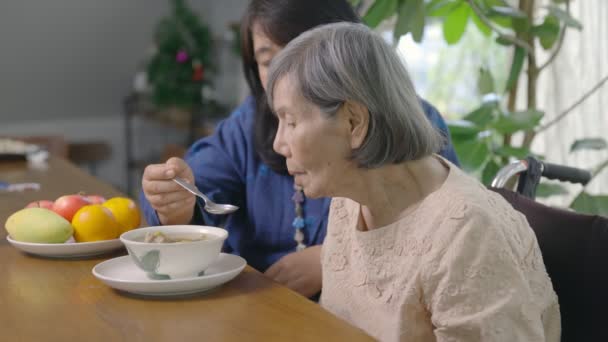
335	63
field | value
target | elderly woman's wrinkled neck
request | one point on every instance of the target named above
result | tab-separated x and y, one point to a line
392	192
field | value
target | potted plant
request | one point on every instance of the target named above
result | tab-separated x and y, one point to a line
483	139
178	70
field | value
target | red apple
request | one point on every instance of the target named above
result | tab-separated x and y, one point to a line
68	205
41	204
95	199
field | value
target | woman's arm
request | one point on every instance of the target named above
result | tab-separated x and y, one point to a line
219	170
300	271
218	165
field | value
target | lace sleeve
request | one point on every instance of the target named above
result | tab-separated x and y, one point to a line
487	282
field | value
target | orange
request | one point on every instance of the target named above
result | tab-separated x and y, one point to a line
125	211
94	223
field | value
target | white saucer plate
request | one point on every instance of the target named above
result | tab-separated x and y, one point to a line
122	274
68	249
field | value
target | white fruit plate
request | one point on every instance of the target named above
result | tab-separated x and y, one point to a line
68	249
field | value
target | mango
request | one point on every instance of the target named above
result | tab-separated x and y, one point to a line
38	225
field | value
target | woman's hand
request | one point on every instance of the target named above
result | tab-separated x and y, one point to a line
173	204
300	271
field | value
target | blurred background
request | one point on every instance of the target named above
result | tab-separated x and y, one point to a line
95	75
68	66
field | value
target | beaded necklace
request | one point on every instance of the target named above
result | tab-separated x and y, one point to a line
298	222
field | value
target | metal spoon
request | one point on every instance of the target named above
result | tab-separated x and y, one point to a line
210	206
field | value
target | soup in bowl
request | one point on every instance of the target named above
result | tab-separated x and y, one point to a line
173	252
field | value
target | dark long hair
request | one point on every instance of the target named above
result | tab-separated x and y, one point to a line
282	21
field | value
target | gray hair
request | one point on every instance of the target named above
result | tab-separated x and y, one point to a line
335	63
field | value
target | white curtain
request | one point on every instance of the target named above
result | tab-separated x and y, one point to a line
580	65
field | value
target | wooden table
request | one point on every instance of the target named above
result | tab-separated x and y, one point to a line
60	300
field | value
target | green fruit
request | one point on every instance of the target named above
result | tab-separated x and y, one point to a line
38	225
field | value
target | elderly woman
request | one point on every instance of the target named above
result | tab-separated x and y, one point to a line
416	250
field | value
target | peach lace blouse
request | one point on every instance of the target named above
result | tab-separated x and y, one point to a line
464	266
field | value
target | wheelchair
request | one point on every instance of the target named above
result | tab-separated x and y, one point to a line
574	247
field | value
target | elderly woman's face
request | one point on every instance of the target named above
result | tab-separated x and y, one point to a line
264	50
317	148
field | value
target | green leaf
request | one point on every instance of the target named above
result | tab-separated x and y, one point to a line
489	172
507	11
405	15
564	17
517	121
472	153
503	41
520	25
380	10
589	144
547	32
485	81
550	189
517	64
409	12
417	27
591	204
483	28
510	17
509	151
459	128
441	8
486	5
483	115
455	23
